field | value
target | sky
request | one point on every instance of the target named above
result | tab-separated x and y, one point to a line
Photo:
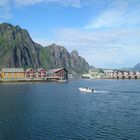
105	32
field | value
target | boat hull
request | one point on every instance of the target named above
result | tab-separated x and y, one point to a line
86	90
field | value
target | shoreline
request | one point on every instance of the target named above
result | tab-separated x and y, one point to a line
54	80
111	78
28	81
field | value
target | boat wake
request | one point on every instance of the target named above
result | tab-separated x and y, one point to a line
101	91
116	92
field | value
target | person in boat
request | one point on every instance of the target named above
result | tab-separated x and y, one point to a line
87	88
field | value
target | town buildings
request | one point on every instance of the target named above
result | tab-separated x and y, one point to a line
113	74
120	74
18	74
60	73
41	73
30	73
12	73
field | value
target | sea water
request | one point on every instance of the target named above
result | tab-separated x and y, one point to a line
56	111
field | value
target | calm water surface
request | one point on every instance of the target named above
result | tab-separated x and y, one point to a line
53	111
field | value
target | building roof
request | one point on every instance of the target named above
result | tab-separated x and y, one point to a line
107	70
12	70
40	69
55	70
29	69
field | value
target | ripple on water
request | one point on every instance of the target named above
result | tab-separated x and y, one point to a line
59	111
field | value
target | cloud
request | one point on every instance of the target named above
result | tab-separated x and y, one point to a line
72	3
109	39
112	48
66	3
6	6
5	9
117	14
27	2
3	2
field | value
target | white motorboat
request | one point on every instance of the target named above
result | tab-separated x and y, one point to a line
86	89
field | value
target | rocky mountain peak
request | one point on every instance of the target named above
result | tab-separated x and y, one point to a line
6	25
12	33
17	49
18	27
74	53
53	45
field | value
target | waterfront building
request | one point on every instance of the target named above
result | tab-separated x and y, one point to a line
0	75
120	75
60	73
132	75
41	73
108	73
30	73
12	73
126	74
115	74
138	74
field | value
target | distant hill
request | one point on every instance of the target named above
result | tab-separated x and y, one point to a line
125	69
17	49
137	67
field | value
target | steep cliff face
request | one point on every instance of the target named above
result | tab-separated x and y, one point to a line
58	56
17	49
77	62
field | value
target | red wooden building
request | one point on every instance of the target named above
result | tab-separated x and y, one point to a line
60	73
30	73
41	73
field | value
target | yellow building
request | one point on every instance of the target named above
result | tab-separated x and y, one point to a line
12	73
0	74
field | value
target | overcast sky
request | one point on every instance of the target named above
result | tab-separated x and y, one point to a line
105	32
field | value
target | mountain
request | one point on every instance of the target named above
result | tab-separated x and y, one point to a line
78	62
57	56
137	67
17	49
